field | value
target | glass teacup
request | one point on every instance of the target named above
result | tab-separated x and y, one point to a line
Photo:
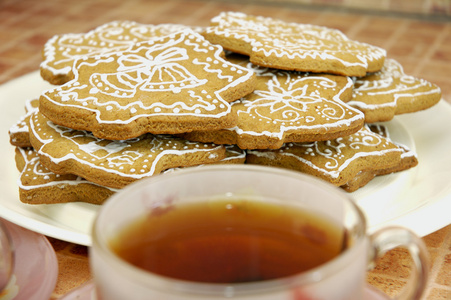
339	278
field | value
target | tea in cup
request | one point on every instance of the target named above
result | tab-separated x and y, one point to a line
241	232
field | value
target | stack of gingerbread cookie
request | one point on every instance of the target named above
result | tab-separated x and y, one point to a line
135	100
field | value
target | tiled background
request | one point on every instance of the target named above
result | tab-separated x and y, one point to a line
417	7
415	32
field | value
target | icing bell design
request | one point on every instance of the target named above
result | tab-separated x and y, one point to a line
155	71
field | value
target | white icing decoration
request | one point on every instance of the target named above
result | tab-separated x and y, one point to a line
123	157
143	69
331	155
390	84
274	38
62	50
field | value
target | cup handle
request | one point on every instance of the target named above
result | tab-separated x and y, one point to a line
389	238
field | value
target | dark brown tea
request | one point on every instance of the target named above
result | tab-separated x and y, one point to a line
229	241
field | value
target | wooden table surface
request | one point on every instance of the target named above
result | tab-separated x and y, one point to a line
422	46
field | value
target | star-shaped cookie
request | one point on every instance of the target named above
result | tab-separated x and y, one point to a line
288	107
174	84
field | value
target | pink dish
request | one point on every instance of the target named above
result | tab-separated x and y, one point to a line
36	266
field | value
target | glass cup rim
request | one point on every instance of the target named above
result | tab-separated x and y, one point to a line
182	286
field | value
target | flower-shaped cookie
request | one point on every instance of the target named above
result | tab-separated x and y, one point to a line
357	157
389	92
290	46
288	107
110	163
174	84
61	51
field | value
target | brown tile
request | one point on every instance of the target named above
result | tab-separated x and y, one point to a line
343	22
435	69
443	54
58	245
5	66
17	52
445	85
300	15
446	41
9	35
79	250
24	69
31	21
427	26
38	40
19	7
265	11
408	64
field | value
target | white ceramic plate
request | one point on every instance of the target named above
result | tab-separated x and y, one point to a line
419	198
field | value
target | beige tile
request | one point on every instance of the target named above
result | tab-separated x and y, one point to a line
444	275
73	272
396	263
436	239
439	294
389	286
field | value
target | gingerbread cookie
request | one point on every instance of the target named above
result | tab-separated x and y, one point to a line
174	84
37	185
362	155
114	163
288	107
61	51
389	92
234	155
18	133
408	160
300	47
